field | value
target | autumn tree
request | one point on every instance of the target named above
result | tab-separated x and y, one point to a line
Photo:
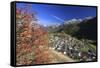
31	38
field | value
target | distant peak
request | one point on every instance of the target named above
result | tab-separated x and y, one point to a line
74	20
87	18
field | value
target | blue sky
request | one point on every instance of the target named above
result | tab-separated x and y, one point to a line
55	14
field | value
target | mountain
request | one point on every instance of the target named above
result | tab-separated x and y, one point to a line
53	28
62	26
80	28
88	29
87	18
74	20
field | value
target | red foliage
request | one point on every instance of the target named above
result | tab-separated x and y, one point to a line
35	35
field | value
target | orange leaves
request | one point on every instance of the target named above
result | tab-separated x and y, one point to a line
26	24
39	42
38	32
36	42
24	47
30	35
26	34
42	56
27	17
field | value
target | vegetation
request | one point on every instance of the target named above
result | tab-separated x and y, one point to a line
31	37
68	42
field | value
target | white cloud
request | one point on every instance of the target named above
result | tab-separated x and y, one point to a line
58	18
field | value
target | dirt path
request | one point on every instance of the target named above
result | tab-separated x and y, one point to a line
58	57
49	55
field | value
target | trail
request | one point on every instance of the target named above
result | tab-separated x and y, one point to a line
56	57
